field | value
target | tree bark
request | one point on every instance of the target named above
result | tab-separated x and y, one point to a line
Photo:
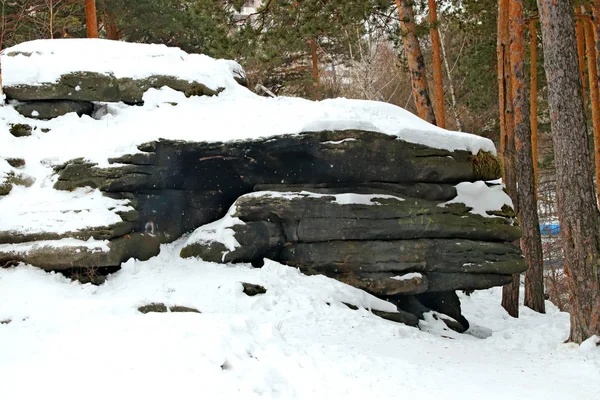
579	30
416	64
534	101
594	95
578	214
531	243
596	13
110	25
438	80
91	21
510	292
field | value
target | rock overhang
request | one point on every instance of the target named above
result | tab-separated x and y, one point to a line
180	162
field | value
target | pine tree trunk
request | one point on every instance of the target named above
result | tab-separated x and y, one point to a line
581	54
91	22
510	292
531	243
594	94
534	100
438	80
596	11
577	210
416	64
110	25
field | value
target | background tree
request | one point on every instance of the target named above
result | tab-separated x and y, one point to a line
416	63
91	20
510	292
531	243
577	208
436	53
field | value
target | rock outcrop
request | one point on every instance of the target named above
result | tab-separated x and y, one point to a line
389	246
48	94
358	206
376	211
177	186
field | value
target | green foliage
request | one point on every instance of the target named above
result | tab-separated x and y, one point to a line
199	26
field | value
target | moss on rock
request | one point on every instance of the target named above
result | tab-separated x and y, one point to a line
486	166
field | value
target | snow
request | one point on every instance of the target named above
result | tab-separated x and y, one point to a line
42	209
218	231
407	277
342	198
22	248
297	341
480	197
44	61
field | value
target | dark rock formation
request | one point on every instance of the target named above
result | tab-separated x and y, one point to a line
252	289
399	316
94	86
388	246
20	130
397	241
56	256
53	109
179	186
162	308
16	162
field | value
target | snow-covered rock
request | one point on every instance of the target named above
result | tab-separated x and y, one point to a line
131	177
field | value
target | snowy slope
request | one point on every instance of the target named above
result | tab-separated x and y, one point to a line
66	339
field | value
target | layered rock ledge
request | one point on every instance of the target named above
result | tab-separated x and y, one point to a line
362	192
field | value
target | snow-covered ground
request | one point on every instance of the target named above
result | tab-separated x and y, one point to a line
66	340
70	341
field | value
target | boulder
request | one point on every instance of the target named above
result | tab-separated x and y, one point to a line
399	316
250	289
415	251
77	86
323	218
20	130
89	86
16	162
59	255
181	185
53	109
443	305
132	90
256	240
9	180
385	284
419	255
162	308
109	232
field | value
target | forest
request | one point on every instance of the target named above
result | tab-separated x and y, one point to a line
522	73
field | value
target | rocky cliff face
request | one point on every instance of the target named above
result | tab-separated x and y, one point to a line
374	211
